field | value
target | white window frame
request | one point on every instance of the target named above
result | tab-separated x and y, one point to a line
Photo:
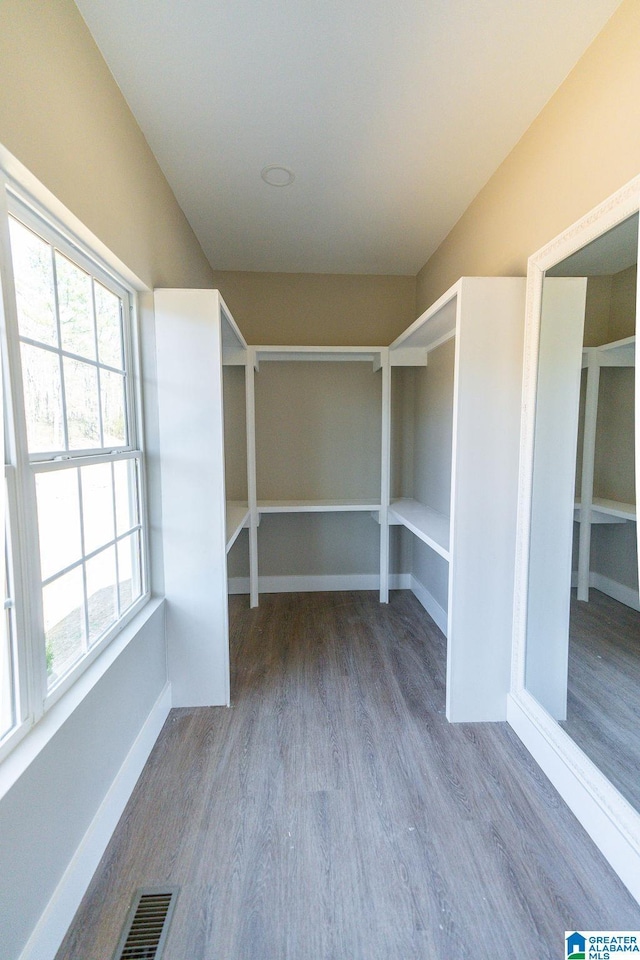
33	698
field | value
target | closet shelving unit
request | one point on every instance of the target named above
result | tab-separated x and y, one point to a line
429	525
473	534
591	509
411	349
259	507
476	536
196	337
237	517
235	353
315	506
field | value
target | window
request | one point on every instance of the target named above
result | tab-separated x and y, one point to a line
12	699
76	464
8	692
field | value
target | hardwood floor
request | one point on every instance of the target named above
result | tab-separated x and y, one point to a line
333	814
603	704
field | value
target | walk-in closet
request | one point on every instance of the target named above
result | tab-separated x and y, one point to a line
342	468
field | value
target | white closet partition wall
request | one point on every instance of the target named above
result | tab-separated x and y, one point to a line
195	335
471	526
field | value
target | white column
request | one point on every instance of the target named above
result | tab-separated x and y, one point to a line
385	476
251	476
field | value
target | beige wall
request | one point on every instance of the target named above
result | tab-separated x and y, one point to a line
610	310
63	116
312	309
581	148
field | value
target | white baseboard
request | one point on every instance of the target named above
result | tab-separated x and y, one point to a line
618	591
400	581
320	584
431	605
611	822
317	584
44	942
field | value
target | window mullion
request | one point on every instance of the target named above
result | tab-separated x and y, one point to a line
49	348
82	460
7	645
134	388
33	610
63	392
98	372
31	665
85	599
89	556
132	366
18	679
115	534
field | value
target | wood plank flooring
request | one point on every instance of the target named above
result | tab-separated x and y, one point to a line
603	703
333	814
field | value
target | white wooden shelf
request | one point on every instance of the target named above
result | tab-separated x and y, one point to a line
608	511
430	526
234	346
432	328
316	506
618	353
373	355
237	517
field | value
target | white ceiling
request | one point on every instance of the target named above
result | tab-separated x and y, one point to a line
391	113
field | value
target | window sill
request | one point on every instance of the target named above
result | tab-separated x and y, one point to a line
29	739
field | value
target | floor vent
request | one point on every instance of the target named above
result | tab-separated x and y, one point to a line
145	931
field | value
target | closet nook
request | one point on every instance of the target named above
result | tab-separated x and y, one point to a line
455	424
420	436
318	434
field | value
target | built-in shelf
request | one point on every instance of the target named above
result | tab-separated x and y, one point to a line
196	337
371	355
608	511
618	353
316	506
453	441
430	526
433	328
234	346
237	517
